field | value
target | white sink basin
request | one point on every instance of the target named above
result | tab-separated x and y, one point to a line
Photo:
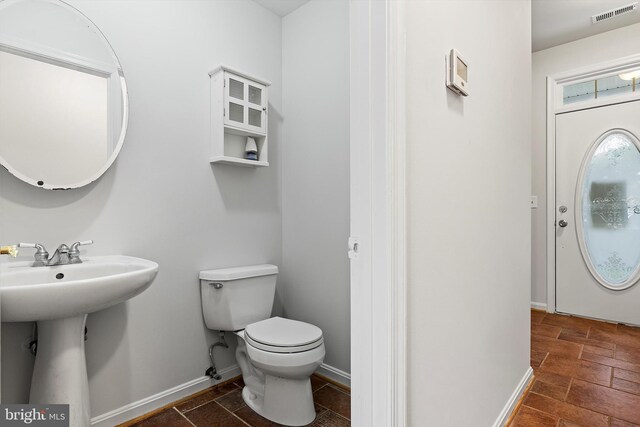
48	293
59	299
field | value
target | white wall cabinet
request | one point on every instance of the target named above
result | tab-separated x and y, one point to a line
238	110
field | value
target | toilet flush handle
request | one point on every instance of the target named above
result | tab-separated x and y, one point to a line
216	285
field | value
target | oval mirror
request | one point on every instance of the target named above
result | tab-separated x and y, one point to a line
608	209
63	96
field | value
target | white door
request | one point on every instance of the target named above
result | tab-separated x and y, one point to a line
598	213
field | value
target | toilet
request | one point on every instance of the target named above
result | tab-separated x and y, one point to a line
276	356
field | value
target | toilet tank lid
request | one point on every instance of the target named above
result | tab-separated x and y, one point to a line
235	273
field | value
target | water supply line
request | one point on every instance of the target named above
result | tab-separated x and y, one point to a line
212	371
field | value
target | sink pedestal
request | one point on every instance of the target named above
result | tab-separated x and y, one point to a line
60	371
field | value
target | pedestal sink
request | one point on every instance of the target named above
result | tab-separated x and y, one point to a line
59	299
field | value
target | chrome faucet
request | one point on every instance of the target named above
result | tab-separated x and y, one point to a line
62	256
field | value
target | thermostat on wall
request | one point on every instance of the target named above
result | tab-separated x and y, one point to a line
457	70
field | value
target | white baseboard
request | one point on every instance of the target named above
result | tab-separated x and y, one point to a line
513	400
151	403
335	374
539	305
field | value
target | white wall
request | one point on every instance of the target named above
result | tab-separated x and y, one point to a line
161	200
591	50
315	172
468	219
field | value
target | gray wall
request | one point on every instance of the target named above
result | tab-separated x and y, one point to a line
468	179
161	200
591	50
315	172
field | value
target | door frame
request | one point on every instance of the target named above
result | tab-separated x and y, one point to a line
555	83
378	273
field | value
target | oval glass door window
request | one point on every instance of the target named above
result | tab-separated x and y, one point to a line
608	211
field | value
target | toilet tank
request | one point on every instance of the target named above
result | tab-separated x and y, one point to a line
233	298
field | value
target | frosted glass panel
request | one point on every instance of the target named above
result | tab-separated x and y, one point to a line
236	89
255	117
611	209
613	85
255	95
236	112
579	92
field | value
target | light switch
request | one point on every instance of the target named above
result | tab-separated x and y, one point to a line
534	202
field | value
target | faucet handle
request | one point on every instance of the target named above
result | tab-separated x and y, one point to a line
41	256
74	247
37	246
74	252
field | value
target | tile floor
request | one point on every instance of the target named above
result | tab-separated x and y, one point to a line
222	405
587	373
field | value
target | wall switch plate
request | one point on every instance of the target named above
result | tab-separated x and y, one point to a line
534	202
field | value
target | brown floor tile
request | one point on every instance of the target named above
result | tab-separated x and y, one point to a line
610	362
551	331
169	417
239	382
575	334
333	399
598	350
566	411
628	354
330	419
605	400
624	385
210	395
529	417
582	369
554	379
537	316
620	423
232	401
553	346
626	375
549	390
317	383
212	415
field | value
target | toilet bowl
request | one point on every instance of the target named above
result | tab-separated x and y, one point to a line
276	356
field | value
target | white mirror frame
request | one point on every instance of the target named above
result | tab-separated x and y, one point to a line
113	73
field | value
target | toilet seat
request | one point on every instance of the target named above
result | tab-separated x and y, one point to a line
278	335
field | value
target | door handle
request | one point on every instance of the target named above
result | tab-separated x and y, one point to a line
562	223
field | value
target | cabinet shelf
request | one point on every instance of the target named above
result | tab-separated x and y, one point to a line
229	160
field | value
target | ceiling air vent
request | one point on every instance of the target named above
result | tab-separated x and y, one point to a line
614	13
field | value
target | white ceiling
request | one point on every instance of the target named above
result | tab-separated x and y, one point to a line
554	22
281	7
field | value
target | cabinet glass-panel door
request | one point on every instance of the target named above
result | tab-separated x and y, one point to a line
245	104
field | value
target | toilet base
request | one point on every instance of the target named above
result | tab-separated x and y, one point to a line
293	394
